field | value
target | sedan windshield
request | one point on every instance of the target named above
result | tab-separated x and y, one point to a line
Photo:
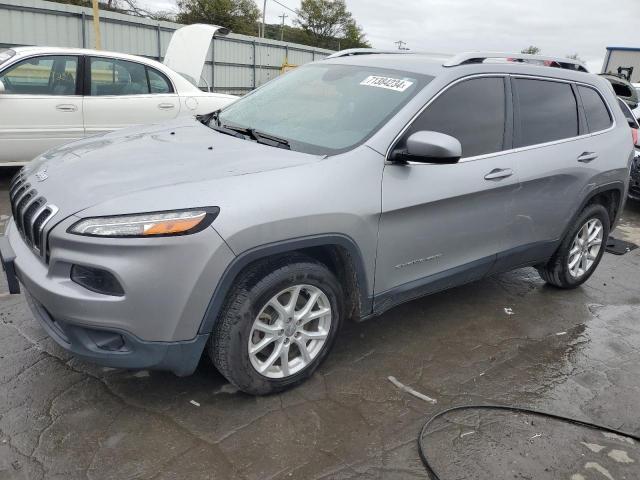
324	108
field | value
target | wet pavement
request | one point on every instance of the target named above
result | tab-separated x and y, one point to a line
508	339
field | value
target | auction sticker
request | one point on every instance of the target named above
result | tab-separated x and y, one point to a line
397	84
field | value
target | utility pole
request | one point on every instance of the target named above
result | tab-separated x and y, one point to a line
96	26
264	14
401	45
283	16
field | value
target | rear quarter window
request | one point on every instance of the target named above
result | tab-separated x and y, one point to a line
597	113
547	111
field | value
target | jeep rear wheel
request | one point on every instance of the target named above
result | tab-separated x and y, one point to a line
580	251
278	324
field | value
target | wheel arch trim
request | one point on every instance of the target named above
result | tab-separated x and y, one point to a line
238	264
617	186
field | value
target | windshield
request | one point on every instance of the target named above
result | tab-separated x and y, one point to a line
6	55
323	108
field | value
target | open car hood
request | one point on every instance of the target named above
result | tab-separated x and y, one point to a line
188	48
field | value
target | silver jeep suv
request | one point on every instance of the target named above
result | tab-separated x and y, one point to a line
336	191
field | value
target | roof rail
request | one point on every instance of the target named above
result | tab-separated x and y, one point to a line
479	57
363	51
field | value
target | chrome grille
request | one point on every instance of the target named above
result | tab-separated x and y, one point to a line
31	212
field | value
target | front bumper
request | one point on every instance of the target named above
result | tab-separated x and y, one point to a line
168	284
119	349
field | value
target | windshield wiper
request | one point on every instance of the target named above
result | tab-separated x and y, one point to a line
242	132
211	120
260	137
207	117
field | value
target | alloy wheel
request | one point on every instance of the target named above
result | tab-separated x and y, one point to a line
585	248
290	331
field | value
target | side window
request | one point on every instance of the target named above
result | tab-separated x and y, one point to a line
117	77
548	111
158	83
628	114
598	117
472	111
47	75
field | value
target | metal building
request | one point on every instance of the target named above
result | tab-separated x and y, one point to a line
237	63
626	59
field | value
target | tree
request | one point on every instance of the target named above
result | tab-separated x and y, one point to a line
328	21
132	7
531	50
354	37
241	16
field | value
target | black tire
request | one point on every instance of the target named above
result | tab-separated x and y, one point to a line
556	271
228	346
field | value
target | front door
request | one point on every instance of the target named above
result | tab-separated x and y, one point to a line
40	106
444	224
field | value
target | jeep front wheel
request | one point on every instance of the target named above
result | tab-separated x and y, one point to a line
278	325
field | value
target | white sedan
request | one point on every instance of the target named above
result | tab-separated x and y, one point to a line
50	96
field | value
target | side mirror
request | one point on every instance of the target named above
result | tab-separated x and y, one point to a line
2	89
429	147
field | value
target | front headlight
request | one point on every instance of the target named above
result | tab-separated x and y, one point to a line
154	224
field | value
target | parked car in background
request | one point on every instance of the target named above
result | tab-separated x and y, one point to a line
49	96
636	111
623	89
634	183
336	191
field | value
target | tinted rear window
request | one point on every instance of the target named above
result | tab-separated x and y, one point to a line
628	114
594	108
548	111
472	111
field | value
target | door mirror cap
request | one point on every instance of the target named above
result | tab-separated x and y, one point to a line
429	147
2	89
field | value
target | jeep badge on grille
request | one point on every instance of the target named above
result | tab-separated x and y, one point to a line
41	175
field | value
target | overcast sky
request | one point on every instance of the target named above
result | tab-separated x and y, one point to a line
558	27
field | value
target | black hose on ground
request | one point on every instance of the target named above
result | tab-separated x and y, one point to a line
421	444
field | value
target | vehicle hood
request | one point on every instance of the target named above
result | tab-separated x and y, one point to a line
188	47
91	171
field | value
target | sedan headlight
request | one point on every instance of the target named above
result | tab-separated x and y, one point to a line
154	224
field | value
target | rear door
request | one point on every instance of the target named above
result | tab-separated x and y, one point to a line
444	224
554	162
40	107
121	93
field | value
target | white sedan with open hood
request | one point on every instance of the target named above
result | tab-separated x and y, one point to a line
50	96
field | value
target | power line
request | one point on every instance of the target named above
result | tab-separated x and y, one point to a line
264	14
284	6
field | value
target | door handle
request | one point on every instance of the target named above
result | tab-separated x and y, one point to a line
166	106
587	157
66	107
498	173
